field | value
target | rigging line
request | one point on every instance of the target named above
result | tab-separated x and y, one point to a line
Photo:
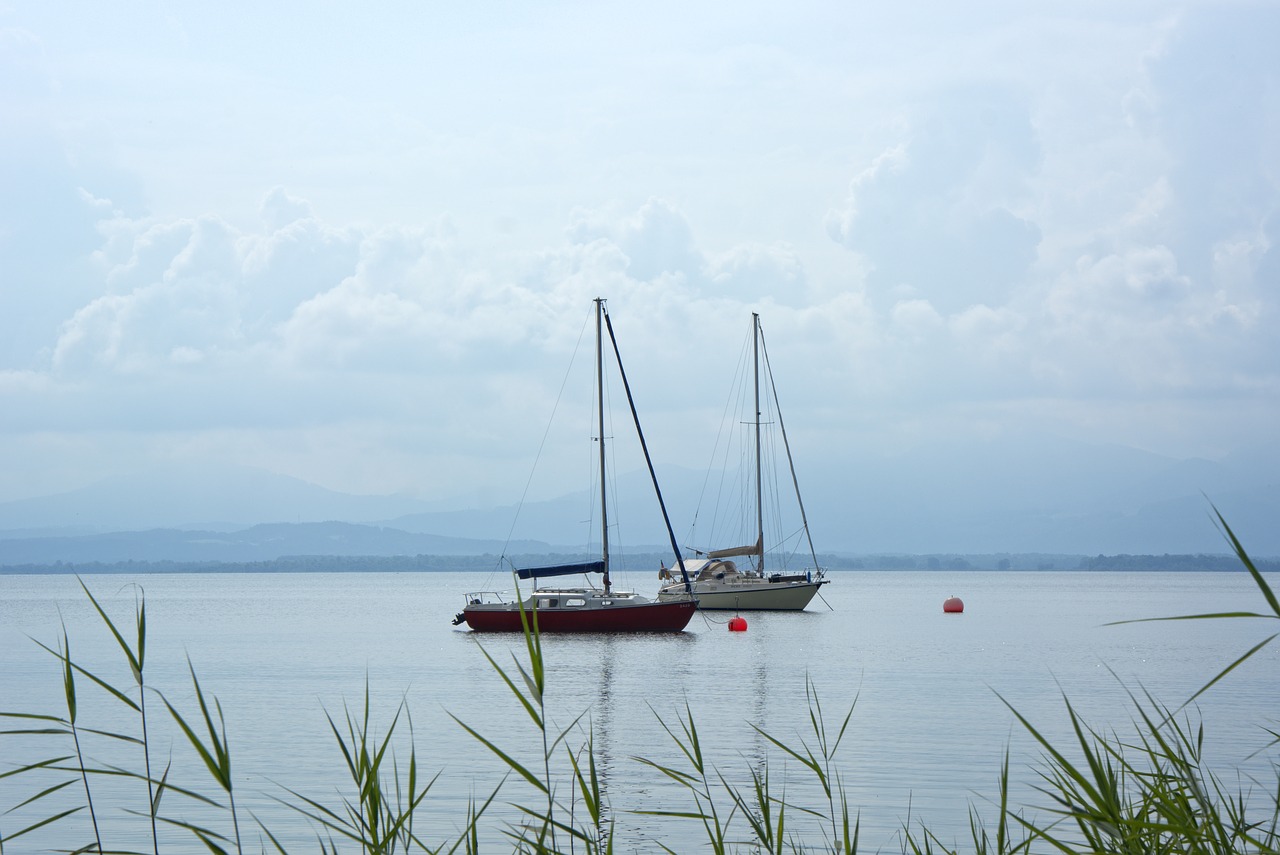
787	445
543	444
776	520
592	495
591	542
635	418
616	540
617	549
730	509
721	440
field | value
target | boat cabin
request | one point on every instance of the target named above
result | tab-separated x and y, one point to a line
718	569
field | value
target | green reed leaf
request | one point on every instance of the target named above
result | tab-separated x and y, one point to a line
511	763
49	820
68	677
533	645
683	778
214	753
210	841
112	690
1059	759
48	791
689	745
63	730
806	759
135	658
1267	593
112	735
1225	671
50	763
529	706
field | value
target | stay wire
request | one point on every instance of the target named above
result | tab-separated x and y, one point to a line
541	447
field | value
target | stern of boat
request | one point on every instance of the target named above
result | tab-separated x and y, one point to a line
475	599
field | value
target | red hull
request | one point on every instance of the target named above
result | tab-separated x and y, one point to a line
642	617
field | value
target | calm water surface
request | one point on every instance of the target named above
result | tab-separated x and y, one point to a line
925	743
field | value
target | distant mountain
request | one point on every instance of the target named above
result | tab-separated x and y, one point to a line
574	519
1029	496
257	543
1042	495
193	496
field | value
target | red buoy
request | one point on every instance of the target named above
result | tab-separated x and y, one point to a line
953	605
738	624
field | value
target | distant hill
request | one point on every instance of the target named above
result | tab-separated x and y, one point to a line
1043	495
1030	496
257	543
190	496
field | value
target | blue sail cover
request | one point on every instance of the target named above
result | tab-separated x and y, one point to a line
561	570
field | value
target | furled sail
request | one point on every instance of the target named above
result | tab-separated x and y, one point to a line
561	570
756	548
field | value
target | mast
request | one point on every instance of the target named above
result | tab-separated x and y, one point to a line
755	361
791	463
604	505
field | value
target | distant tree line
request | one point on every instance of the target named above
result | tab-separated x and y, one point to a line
1175	562
1155	563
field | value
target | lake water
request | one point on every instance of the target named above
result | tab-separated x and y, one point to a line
926	740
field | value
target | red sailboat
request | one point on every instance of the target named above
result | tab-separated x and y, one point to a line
588	608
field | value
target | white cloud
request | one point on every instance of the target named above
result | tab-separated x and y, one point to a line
840	223
985	328
935	212
1048	213
917	320
752	273
279	209
177	291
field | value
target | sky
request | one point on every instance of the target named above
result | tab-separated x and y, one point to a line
356	243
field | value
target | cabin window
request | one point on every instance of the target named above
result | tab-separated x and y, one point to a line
606	602
548	602
575	602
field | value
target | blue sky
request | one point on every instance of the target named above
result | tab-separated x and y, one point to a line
355	243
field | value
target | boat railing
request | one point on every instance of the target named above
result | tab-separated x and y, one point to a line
485	598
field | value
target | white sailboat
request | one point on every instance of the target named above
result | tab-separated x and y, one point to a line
717	581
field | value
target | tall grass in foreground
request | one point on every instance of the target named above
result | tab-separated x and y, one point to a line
1102	793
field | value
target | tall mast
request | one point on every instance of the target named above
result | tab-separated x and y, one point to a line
755	361
791	463
604	506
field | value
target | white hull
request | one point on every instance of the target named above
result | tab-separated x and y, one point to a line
748	595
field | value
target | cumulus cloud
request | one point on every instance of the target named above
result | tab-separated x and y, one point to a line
917	319
176	294
289	265
750	273
1115	240
657	240
935	213
279	209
